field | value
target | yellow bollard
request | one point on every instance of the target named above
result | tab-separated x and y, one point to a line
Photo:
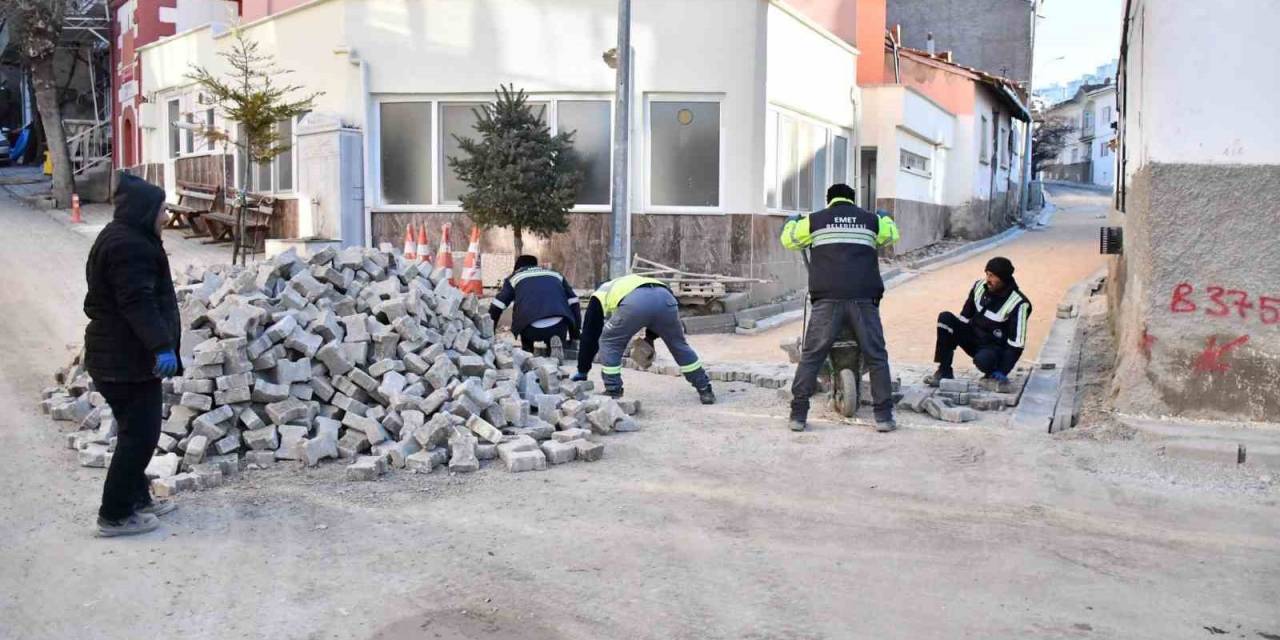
48	164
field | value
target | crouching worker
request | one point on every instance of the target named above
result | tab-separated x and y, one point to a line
623	307
992	327
544	308
130	344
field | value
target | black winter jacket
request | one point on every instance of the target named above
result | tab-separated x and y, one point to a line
131	304
537	293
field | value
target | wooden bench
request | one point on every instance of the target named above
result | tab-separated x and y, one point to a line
258	210
194	201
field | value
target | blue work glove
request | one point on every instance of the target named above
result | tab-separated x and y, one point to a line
579	377
1000	377
166	364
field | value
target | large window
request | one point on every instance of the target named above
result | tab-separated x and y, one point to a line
416	140
405	143
684	153
589	121
802	158
457	120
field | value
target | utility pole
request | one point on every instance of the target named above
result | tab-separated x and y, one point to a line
619	253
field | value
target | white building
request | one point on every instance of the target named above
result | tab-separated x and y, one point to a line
1195	292
1089	153
744	111
941	146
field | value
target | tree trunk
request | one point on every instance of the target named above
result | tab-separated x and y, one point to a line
518	235
45	83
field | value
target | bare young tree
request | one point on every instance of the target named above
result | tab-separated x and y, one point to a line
1048	140
36	28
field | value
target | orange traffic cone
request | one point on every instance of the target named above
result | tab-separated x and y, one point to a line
471	282
424	249
410	248
75	209
444	260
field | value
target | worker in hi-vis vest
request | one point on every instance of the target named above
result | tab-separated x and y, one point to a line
845	290
617	311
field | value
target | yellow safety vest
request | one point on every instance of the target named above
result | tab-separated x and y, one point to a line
611	293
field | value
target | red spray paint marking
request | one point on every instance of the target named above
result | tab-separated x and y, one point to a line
1148	341
1211	359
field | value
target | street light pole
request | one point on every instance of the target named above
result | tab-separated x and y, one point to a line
618	247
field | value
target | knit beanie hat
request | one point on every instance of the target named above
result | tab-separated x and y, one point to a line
1001	267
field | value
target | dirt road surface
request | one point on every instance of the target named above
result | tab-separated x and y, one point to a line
1048	261
711	523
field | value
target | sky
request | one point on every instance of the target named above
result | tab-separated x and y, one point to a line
1074	37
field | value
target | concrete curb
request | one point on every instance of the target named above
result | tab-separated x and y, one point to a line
1226	443
1059	359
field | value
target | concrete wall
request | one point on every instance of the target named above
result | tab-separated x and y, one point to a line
1188	229
991	35
920	223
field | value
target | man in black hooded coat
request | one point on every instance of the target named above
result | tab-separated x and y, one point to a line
132	341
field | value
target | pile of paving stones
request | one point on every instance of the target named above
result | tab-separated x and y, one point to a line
353	355
959	400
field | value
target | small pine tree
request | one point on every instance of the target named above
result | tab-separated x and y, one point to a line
520	175
250	97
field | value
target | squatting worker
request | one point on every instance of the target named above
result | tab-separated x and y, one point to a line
132	341
623	307
544	308
845	289
991	328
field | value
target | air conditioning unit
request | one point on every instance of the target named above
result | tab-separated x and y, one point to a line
149	115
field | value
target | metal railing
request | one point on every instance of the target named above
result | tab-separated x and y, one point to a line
88	144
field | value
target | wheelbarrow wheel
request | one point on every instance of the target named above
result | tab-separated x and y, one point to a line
846	393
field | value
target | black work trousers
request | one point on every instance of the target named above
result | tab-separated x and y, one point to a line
136	407
532	335
826	319
952	333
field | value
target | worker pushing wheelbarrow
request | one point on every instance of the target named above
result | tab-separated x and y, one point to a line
843	366
842	322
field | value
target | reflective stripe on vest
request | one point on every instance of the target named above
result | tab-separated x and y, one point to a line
535	272
836	235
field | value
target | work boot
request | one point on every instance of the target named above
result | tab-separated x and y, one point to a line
613	392
706	395
886	425
936	378
799	419
135	524
642	352
158	507
557	348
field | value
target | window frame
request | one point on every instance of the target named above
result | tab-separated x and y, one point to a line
927	172
439	165
174	139
772	147
276	193
647	153
984	144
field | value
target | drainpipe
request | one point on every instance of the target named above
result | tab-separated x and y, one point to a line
366	149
